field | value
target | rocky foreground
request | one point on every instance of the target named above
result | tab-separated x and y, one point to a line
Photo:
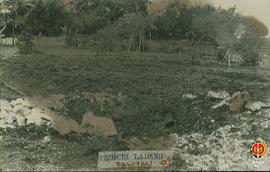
27	111
227	148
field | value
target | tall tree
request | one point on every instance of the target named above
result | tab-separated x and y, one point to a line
254	26
47	16
18	9
4	12
251	39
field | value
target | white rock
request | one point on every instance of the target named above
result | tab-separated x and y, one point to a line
249	112
19	111
222	103
189	96
21	102
36	117
16	102
23	111
5	105
255	106
226	101
20	120
7	116
218	95
10	119
63	125
5	125
98	125
46	139
52	101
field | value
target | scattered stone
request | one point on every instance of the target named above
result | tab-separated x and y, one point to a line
255	106
4	105
37	117
98	125
54	101
226	101
189	96
27	111
20	112
64	126
222	103
237	103
20	102
7	117
212	152
218	95
21	121
91	124
6	125
46	139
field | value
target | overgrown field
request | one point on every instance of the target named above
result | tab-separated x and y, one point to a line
141	92
149	86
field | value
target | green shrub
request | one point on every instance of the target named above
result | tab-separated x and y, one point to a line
108	39
46	17
249	48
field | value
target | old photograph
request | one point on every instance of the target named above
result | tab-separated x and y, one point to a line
134	85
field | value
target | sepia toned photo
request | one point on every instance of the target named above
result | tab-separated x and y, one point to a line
134	85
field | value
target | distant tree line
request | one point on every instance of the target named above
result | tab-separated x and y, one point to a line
128	25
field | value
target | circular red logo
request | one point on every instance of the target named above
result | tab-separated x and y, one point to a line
258	149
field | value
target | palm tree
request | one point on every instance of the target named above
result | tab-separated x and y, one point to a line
15	6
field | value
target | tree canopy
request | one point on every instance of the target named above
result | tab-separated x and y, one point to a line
254	26
134	22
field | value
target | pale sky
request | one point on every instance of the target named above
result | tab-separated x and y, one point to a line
258	8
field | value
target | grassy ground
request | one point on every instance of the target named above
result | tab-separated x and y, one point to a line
141	92
151	84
